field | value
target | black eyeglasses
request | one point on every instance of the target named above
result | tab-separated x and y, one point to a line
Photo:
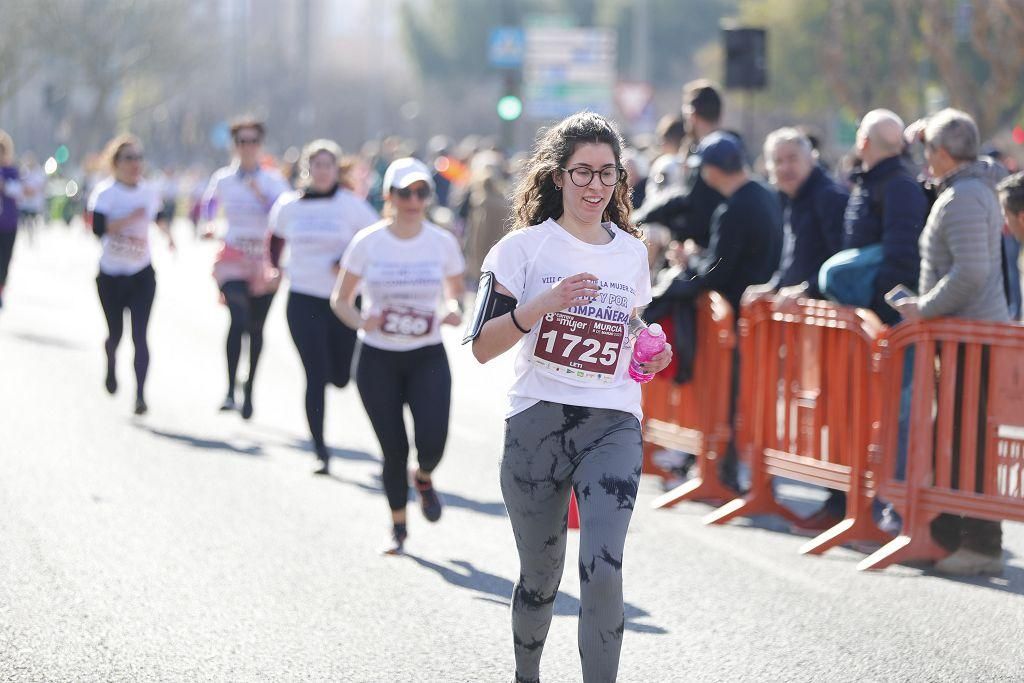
130	157
610	175
248	141
407	192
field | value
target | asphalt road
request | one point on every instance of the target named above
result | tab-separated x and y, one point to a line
190	545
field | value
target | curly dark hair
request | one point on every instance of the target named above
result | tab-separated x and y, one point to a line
537	199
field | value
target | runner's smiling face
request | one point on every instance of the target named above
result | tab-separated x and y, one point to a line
587	204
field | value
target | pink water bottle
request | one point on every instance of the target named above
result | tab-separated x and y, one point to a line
648	344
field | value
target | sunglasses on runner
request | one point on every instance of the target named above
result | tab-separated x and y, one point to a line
408	192
130	157
247	141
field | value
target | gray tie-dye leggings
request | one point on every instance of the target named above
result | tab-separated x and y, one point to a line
598	451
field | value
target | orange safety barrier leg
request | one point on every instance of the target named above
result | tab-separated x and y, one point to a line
852	529
759	501
703	488
919	547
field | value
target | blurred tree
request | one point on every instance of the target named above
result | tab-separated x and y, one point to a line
862	54
978	51
18	59
106	46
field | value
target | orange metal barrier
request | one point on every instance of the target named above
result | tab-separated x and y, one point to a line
805	410
694	417
966	443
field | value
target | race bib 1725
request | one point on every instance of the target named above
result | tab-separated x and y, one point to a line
579	348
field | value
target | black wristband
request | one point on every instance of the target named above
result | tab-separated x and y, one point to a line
515	322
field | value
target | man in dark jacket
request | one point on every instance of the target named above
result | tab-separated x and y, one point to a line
687	212
744	245
813	210
883	222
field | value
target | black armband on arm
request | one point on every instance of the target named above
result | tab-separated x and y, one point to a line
489	304
99	223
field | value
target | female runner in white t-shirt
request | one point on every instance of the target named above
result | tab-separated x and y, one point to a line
121	209
409	272
246	191
565	286
317	223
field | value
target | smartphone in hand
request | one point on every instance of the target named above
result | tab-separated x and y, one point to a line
896	294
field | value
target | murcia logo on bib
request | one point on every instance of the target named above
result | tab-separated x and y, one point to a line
579	348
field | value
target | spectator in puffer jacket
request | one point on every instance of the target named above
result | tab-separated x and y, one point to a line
962	277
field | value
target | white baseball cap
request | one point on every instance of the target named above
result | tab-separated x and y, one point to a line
404	172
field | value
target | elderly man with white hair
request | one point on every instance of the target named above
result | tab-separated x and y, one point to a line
813	208
884	218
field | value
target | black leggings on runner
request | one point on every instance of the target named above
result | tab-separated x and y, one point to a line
548	448
387	381
248	315
325	346
6	251
135	293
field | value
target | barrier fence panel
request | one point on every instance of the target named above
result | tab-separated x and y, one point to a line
965	453
694	417
805	410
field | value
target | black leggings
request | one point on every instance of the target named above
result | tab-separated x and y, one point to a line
325	346
248	315
135	293
387	381
6	251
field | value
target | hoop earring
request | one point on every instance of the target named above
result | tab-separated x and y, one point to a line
558	188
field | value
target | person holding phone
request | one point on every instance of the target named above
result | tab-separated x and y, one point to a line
961	277
409	272
564	288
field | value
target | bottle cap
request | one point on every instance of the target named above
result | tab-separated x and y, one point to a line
656	330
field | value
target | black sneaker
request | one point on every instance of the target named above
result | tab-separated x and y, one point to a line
323	459
430	502
247	402
140	406
396	544
111	382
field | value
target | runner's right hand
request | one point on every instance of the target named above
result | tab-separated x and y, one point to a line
371	323
576	290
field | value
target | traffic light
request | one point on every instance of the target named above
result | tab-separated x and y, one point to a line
510	108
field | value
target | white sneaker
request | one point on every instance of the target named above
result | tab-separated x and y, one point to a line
966	562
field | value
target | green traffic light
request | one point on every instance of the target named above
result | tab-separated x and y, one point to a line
510	108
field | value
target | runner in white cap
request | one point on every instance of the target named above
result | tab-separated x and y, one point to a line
410	274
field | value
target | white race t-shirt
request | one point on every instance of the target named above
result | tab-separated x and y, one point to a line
245	211
403	281
579	356
317	232
126	252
